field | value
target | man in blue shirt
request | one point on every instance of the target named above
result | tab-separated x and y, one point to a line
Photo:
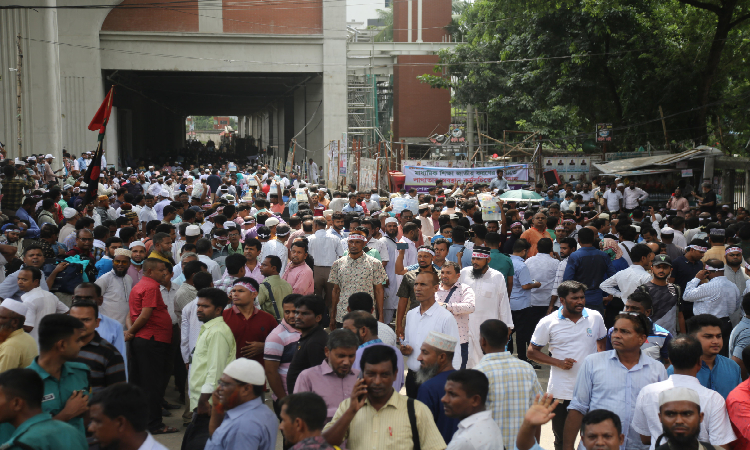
591	267
24	213
499	183
353	206
240	418
436	363
717	372
520	301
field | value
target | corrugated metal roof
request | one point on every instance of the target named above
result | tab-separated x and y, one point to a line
621	166
630	173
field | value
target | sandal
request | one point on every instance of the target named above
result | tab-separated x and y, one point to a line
164	429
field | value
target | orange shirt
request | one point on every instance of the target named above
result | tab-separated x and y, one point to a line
532	235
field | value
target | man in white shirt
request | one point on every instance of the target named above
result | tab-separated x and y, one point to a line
410	237
685	355
390	297
633	196
491	302
466	394
614	199
147	212
204	250
625	282
572	333
116	285
271	245
38	301
428	316
425	217
313	171
542	268
325	249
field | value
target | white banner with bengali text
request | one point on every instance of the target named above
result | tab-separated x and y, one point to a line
421	178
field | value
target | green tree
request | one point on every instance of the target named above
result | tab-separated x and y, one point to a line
561	69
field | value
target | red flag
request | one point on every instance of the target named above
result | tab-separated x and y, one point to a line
102	115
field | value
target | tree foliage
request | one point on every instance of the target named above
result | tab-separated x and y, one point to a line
560	68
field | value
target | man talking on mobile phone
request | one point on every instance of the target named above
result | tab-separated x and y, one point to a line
409	424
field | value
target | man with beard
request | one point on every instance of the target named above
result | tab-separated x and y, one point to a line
490	302
516	230
572	333
733	267
371	397
17	348
162	248
298	274
390	302
664	295
239	419
215	349
334	378
115	286
680	415
426	317
435	358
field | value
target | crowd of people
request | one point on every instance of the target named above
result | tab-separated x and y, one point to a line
273	303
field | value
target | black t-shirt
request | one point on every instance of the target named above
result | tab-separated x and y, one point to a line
310	353
664	298
214	182
709	197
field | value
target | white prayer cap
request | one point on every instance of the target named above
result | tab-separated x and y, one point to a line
620	185
137	244
391	220
676	394
123	252
327	212
272	222
247	371
441	341
667	230
15	306
193	230
658	217
604	216
69	213
49	156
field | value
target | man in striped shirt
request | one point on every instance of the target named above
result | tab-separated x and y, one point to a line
106	363
280	347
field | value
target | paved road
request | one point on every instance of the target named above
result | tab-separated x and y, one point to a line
173	441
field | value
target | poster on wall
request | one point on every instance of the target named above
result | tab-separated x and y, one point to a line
421	178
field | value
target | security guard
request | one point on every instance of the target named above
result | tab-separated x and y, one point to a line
66	383
21	391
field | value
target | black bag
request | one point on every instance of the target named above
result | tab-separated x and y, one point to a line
70	277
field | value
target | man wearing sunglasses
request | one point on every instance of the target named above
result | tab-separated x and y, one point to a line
84	243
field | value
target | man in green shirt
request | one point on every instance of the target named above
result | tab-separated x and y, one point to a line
500	261
21	393
66	383
215	349
280	288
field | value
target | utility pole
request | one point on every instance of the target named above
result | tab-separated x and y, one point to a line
19	64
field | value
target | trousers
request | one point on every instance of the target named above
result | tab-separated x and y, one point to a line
148	364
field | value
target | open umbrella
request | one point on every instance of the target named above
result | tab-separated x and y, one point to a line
521	195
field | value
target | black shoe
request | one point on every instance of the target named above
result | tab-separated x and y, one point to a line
166	405
165	413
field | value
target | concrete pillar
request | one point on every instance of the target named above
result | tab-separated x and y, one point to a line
334	108
727	186
299	123
470	131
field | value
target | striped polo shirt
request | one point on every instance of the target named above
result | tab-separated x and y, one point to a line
104	361
281	346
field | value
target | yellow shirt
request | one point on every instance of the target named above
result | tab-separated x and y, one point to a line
716	252
389	428
18	351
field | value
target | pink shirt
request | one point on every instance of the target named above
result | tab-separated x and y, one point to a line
281	346
461	304
300	277
325	382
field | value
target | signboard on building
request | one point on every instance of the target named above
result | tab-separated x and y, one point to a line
603	132
421	178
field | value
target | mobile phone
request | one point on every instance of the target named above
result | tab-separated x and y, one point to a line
578	210
402	246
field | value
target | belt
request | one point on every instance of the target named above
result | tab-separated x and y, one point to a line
322	267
